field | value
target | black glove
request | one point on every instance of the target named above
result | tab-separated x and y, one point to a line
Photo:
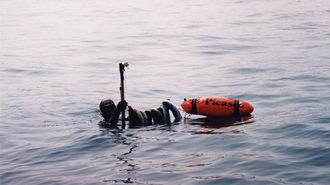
122	105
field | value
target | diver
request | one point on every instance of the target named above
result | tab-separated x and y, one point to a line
137	118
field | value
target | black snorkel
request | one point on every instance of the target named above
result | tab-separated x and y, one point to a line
122	66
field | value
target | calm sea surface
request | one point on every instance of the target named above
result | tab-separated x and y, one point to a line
59	58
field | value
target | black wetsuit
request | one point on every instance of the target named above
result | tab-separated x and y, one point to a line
138	118
160	115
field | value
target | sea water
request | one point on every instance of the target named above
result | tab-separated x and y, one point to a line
59	59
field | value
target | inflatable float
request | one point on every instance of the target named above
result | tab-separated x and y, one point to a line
216	106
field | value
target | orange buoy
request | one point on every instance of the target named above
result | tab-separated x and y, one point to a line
216	106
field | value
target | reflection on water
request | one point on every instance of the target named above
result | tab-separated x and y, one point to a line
220	122
212	125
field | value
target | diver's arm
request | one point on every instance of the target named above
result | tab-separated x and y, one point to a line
121	106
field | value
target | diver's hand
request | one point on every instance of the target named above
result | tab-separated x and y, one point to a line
122	105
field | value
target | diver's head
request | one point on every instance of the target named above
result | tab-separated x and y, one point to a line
107	107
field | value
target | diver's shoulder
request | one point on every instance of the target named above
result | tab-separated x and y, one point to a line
106	124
